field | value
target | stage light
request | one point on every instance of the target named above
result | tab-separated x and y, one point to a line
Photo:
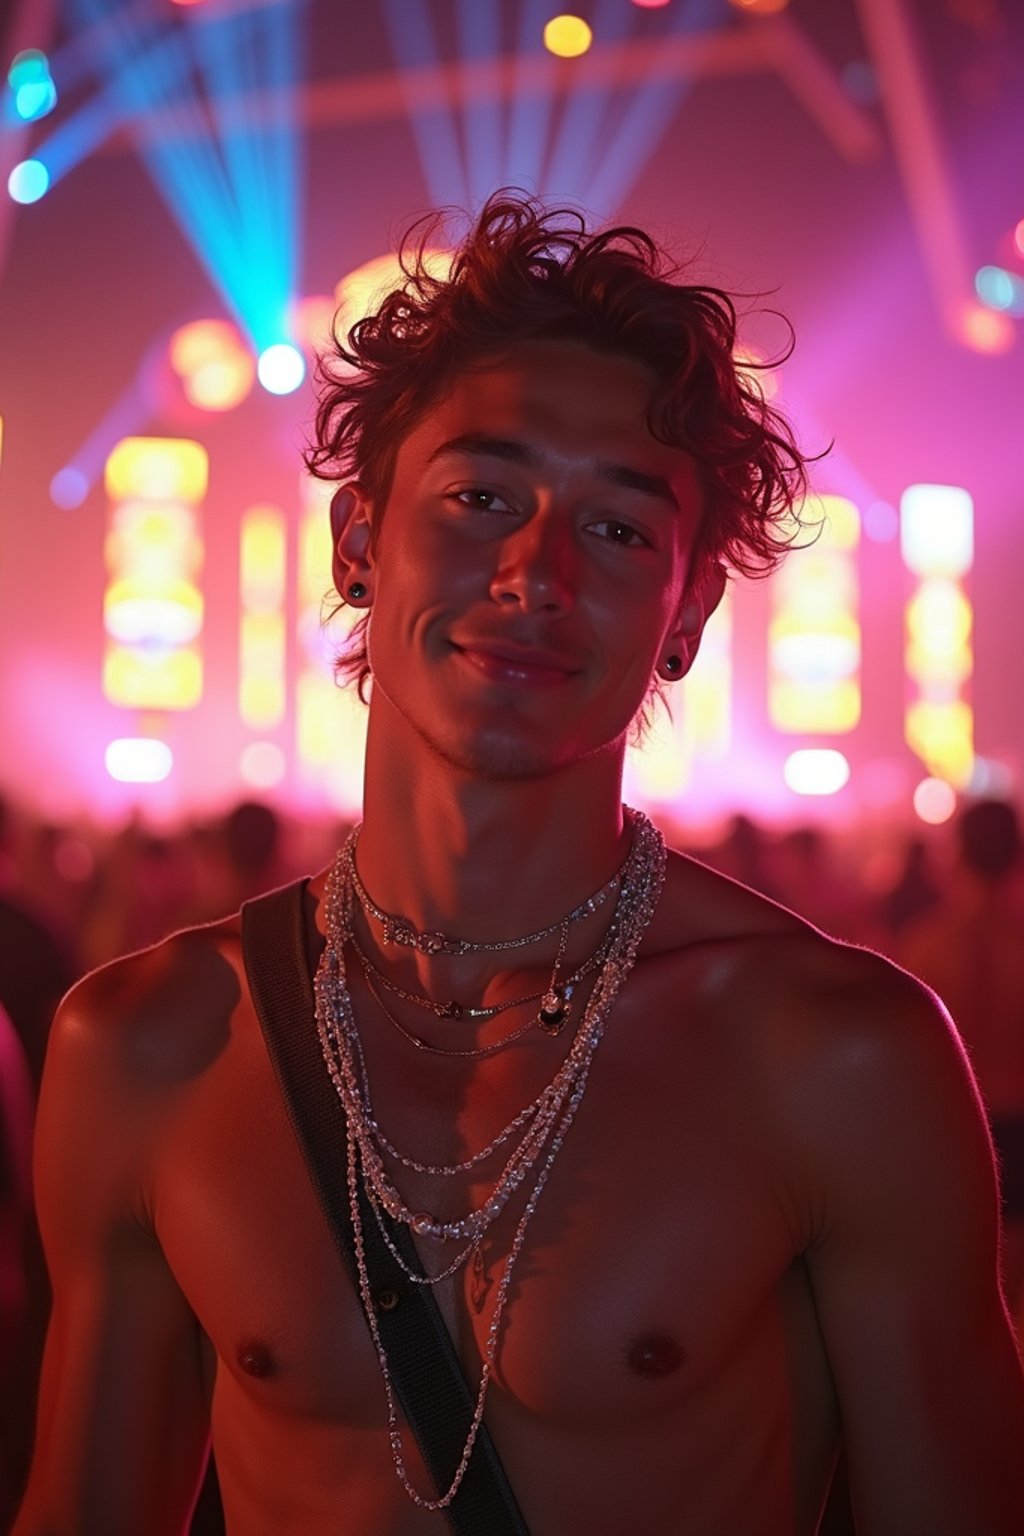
1018	237
32	84
281	368
138	760
814	632
999	289
330	723
261	765
216	370
153	608
133	615
28	181
157	469
816	771
986	330
994	287
934	801
760	7
261	642
937	530
69	488
567	36
650	5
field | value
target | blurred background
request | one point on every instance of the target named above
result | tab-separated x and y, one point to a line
188	193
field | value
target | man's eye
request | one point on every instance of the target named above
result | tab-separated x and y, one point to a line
617	532
481	501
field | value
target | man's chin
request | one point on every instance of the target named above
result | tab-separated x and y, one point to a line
503	757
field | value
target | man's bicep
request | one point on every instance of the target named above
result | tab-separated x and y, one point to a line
122	1421
905	1273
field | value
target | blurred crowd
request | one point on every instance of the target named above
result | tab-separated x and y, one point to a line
946	903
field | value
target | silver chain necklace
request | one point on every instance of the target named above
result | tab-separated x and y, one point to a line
397	930
547	1120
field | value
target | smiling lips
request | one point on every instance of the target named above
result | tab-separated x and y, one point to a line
505	663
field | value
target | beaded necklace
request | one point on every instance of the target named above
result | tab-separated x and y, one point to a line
545	1123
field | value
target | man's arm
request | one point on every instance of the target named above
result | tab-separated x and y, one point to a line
904	1261
122	1425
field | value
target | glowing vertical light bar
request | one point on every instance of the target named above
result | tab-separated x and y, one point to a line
937	544
814	631
330	722
152	605
700	725
261	639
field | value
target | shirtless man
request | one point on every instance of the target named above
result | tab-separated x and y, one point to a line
772	1224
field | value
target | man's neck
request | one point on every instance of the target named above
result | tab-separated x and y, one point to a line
480	858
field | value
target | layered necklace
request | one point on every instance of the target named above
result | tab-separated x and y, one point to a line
536	1133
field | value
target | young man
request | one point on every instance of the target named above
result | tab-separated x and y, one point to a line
770	1223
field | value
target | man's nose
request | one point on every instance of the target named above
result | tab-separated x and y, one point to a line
537	564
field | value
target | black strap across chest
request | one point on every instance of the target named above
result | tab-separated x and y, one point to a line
424	1365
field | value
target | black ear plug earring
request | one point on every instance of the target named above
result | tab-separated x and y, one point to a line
673	663
356	591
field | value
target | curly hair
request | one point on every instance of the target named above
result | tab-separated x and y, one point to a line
524	272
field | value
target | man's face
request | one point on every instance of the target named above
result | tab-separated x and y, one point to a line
531	562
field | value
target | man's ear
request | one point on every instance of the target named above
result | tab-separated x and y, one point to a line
352	536
699	603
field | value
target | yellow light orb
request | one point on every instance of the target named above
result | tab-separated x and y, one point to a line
567	36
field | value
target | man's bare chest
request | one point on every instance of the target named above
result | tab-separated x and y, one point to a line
659	1243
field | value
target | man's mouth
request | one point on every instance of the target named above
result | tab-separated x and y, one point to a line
502	662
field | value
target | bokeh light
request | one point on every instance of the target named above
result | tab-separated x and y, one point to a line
567	36
650	5
999	289
28	181
261	765
69	488
1018	237
138	760
934	801
760	7
937	530
217	371
816	771
986	330
281	368
29	77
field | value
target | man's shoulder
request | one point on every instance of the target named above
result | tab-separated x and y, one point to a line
815	1003
158	1012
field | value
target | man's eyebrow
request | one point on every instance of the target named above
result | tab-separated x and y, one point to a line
515	452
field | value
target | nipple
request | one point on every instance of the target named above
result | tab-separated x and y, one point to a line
255	1359
654	1355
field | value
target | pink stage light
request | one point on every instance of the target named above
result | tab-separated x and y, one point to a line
650	5
1018	238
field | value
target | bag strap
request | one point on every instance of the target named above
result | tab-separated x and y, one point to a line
425	1368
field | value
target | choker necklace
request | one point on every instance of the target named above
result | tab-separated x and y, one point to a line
555	999
544	1123
397	930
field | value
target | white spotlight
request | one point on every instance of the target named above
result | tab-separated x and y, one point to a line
281	368
816	771
139	760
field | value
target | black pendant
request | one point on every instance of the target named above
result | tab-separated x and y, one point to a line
554	1010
